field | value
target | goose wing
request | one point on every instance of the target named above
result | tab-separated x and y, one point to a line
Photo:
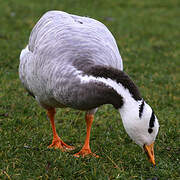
60	36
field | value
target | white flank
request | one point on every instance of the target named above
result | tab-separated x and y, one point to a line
24	52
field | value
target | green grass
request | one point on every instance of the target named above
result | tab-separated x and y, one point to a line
147	33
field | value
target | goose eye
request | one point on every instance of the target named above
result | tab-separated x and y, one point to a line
150	130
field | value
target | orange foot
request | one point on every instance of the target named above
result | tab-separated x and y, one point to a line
57	143
85	152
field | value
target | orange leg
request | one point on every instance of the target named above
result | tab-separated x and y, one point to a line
86	148
57	143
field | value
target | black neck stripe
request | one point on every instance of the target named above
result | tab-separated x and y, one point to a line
141	108
89	68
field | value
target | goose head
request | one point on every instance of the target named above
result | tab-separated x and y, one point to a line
141	124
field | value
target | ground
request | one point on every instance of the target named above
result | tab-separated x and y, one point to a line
147	34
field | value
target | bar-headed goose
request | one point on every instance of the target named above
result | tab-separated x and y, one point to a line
73	61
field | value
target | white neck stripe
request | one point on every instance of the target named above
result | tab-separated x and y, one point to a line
118	87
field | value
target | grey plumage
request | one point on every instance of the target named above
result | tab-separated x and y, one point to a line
56	42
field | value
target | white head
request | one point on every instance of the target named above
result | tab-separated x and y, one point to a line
141	124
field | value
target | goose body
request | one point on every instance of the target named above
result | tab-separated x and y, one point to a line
73	61
57	42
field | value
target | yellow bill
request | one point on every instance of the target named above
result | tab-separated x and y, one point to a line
149	149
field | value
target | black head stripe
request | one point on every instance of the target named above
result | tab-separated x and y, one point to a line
141	108
152	120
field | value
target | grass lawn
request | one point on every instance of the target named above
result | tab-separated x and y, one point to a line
148	36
